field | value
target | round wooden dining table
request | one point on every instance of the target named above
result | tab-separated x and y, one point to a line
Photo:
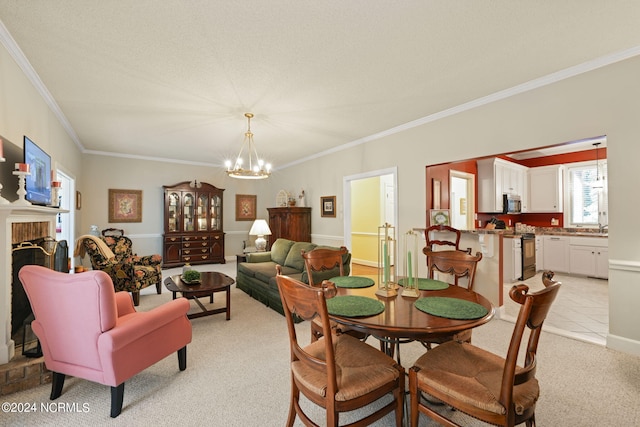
402	322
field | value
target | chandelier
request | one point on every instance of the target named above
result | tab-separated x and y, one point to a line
253	167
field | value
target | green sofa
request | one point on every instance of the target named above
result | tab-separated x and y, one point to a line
257	276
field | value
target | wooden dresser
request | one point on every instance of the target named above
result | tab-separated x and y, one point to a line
193	231
291	223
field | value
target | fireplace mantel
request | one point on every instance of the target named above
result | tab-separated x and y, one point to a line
11	214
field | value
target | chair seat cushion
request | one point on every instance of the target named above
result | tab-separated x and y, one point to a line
472	375
360	367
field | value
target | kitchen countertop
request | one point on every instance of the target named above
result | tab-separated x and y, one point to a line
509	233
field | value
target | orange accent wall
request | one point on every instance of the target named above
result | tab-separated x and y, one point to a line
441	173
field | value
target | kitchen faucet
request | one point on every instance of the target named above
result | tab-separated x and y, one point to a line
602	227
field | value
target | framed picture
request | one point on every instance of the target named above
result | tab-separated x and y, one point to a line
328	204
245	207
125	205
78	200
440	217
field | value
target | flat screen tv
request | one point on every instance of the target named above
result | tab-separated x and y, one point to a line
38	184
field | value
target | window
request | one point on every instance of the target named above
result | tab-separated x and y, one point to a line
588	204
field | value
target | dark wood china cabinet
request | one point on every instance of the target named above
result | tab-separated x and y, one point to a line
193	231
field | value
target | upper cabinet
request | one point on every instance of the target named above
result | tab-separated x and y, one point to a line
497	177
545	188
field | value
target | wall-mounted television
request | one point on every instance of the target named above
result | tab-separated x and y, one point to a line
38	184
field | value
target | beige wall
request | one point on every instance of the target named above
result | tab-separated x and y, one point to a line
575	108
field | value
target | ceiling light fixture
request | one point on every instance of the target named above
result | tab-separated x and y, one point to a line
255	166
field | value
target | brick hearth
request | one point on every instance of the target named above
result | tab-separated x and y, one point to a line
23	373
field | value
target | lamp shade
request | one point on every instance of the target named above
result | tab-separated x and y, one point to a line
260	228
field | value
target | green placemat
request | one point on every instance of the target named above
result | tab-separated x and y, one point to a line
428	284
451	308
352	281
354	306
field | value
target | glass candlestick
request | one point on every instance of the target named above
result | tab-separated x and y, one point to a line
386	261
410	281
21	191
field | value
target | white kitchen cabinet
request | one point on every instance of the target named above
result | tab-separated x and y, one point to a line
545	188
539	253
556	253
589	256
512	260
497	177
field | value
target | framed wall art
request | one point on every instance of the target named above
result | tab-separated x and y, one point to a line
125	205
440	217
328	204
245	207
78	200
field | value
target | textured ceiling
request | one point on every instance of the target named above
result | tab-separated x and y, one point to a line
172	79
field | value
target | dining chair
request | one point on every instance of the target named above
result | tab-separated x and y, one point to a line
89	331
325	263
337	372
479	383
459	265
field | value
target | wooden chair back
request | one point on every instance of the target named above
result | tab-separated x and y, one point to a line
430	235
323	259
457	263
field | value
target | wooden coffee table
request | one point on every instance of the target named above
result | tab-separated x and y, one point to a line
210	282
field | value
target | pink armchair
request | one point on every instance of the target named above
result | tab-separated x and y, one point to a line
89	331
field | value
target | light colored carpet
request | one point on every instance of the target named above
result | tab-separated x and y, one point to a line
238	375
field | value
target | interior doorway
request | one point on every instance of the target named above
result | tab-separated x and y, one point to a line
462	199
370	200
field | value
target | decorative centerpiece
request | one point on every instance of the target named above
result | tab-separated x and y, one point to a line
386	261
410	282
191	277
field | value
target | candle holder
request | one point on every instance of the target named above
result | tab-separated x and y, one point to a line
21	191
387	285
3	201
410	281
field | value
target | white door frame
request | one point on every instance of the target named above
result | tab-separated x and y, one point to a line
346	191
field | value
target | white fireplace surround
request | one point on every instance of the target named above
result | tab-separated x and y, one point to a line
11	214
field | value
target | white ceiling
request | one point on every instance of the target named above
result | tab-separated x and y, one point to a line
172	79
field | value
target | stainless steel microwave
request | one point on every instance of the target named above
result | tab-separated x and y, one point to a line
511	204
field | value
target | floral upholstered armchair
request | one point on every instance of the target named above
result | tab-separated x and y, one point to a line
128	271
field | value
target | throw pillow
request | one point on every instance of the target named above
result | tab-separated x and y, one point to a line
280	250
294	259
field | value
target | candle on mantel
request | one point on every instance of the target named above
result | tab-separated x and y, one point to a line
22	167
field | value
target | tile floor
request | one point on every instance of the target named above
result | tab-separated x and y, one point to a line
581	309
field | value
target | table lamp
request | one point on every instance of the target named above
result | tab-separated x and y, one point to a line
260	228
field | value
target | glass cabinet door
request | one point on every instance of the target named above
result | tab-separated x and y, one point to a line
189	210
216	213
173	212
203	207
